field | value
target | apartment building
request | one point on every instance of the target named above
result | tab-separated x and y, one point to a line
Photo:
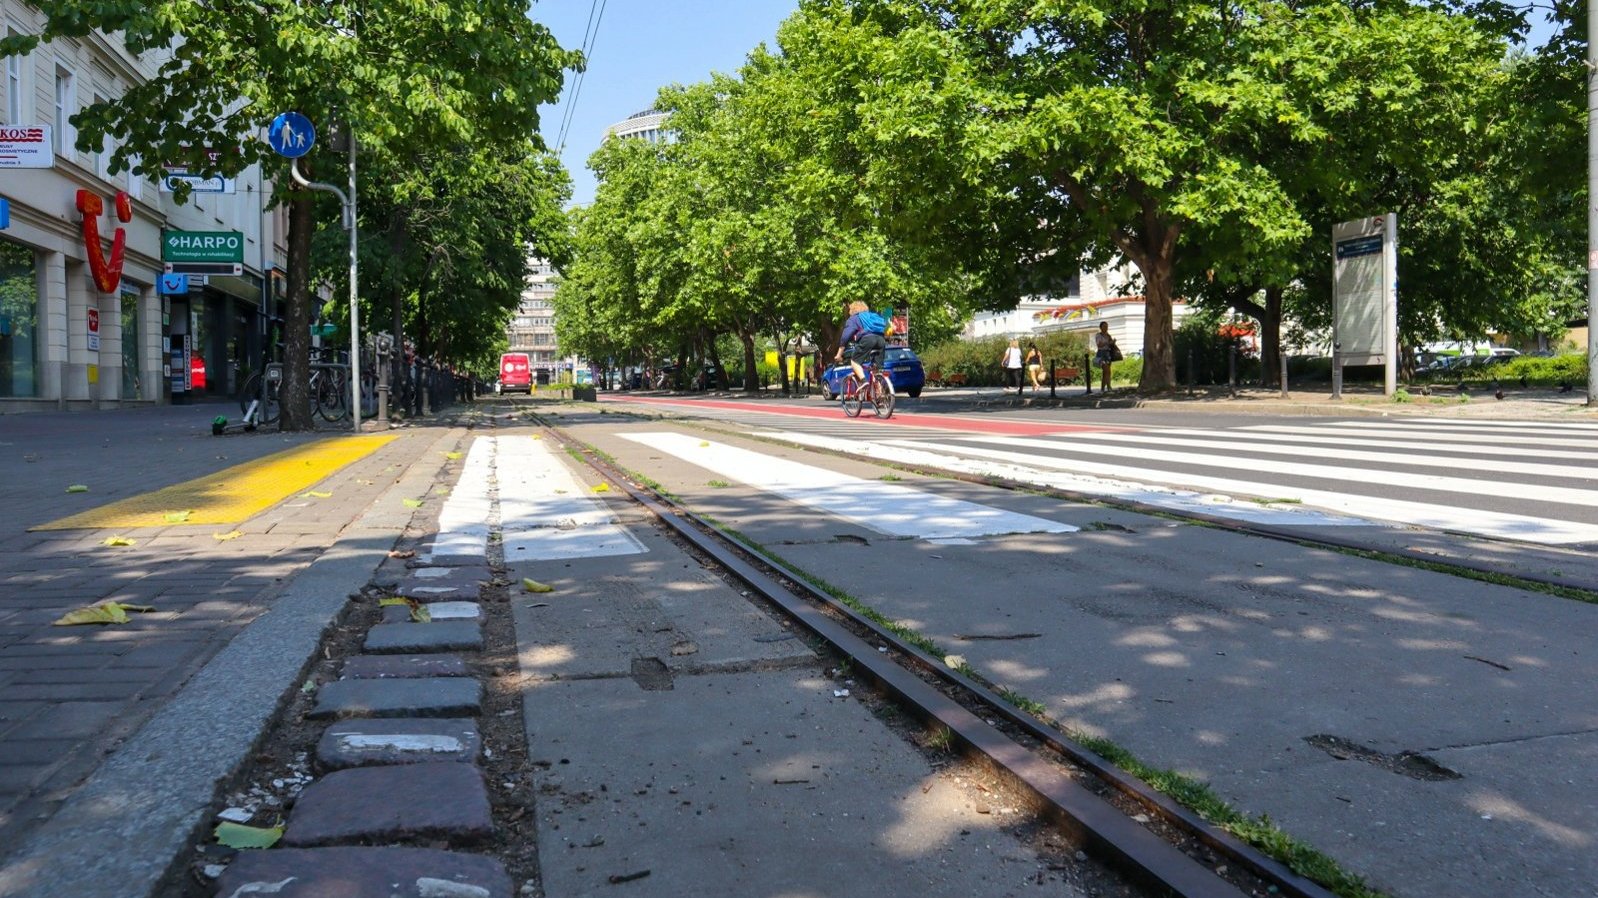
89	316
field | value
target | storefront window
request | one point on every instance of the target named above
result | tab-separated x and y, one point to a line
131	375
19	317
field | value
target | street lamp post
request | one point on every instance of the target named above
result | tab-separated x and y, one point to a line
1592	207
348	207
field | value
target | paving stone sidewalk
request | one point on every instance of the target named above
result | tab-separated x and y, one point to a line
70	695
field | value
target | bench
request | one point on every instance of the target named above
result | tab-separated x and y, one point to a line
1066	374
953	380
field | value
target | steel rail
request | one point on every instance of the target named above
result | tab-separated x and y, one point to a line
1089	819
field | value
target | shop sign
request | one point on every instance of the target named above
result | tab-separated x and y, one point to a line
5	213
93	322
177	175
107	273
26	146
202	246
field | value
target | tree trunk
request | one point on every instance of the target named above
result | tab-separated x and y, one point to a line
1271	338
751	376
1159	345
295	395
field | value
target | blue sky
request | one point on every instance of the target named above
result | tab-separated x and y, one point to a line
643	45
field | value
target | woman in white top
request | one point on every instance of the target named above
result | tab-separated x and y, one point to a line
1012	366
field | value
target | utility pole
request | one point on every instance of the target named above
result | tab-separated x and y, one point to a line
1592	207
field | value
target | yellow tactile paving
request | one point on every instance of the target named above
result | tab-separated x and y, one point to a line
230	495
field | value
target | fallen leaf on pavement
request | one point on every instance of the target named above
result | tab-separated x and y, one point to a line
602	488
224	537
177	517
316	495
117	541
452	455
413	503
419	612
77	488
531	585
407	553
104	611
237	835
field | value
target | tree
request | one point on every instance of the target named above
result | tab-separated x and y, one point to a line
398	73
1131	128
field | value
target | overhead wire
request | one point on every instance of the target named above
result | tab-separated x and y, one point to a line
596	15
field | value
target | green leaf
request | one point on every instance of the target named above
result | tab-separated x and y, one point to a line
237	835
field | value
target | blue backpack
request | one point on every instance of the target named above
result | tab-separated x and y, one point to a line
873	323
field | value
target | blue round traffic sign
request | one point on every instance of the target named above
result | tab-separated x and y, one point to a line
291	135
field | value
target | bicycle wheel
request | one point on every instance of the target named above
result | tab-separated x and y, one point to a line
250	390
331	403
882	395
270	406
853	397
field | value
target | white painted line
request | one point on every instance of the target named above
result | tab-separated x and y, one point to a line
453	610
463	521
1548	531
1495	422
1372	428
1078	481
884	507
1085	443
545	513
1246	438
1284	447
410	742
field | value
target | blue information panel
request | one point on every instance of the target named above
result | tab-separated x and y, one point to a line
5	214
291	135
173	284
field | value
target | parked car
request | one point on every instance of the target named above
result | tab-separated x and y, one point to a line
904	371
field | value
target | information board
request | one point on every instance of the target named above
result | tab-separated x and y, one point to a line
1365	296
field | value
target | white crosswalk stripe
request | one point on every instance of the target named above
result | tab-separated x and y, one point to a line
545	513
884	507
1458	477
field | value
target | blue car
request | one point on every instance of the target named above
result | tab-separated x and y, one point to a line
904	370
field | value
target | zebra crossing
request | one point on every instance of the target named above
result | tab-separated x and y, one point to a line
544	512
1532	481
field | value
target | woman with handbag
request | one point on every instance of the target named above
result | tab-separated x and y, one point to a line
1107	352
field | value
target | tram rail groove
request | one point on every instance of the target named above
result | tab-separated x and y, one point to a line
1090	819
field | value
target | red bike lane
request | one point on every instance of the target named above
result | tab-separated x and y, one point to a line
1000	426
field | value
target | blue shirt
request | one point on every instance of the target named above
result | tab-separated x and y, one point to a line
852	329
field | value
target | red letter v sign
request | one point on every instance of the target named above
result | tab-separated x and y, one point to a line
107	275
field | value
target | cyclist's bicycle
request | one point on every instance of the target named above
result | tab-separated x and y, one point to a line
876	389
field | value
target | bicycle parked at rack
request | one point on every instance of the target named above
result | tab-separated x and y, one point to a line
876	389
328	389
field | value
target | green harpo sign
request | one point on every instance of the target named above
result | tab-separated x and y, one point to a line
202	246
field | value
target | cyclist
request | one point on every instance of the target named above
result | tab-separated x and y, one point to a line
862	335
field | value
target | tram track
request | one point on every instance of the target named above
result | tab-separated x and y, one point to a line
1123	821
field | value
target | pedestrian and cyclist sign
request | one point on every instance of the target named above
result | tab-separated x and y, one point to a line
291	135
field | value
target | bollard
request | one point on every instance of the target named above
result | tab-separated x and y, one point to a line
1051	379
1283	355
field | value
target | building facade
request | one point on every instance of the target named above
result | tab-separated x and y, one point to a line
648	125
1101	295
84	319
532	329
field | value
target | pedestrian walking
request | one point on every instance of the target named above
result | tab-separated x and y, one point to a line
1034	366
1107	353
1012	366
